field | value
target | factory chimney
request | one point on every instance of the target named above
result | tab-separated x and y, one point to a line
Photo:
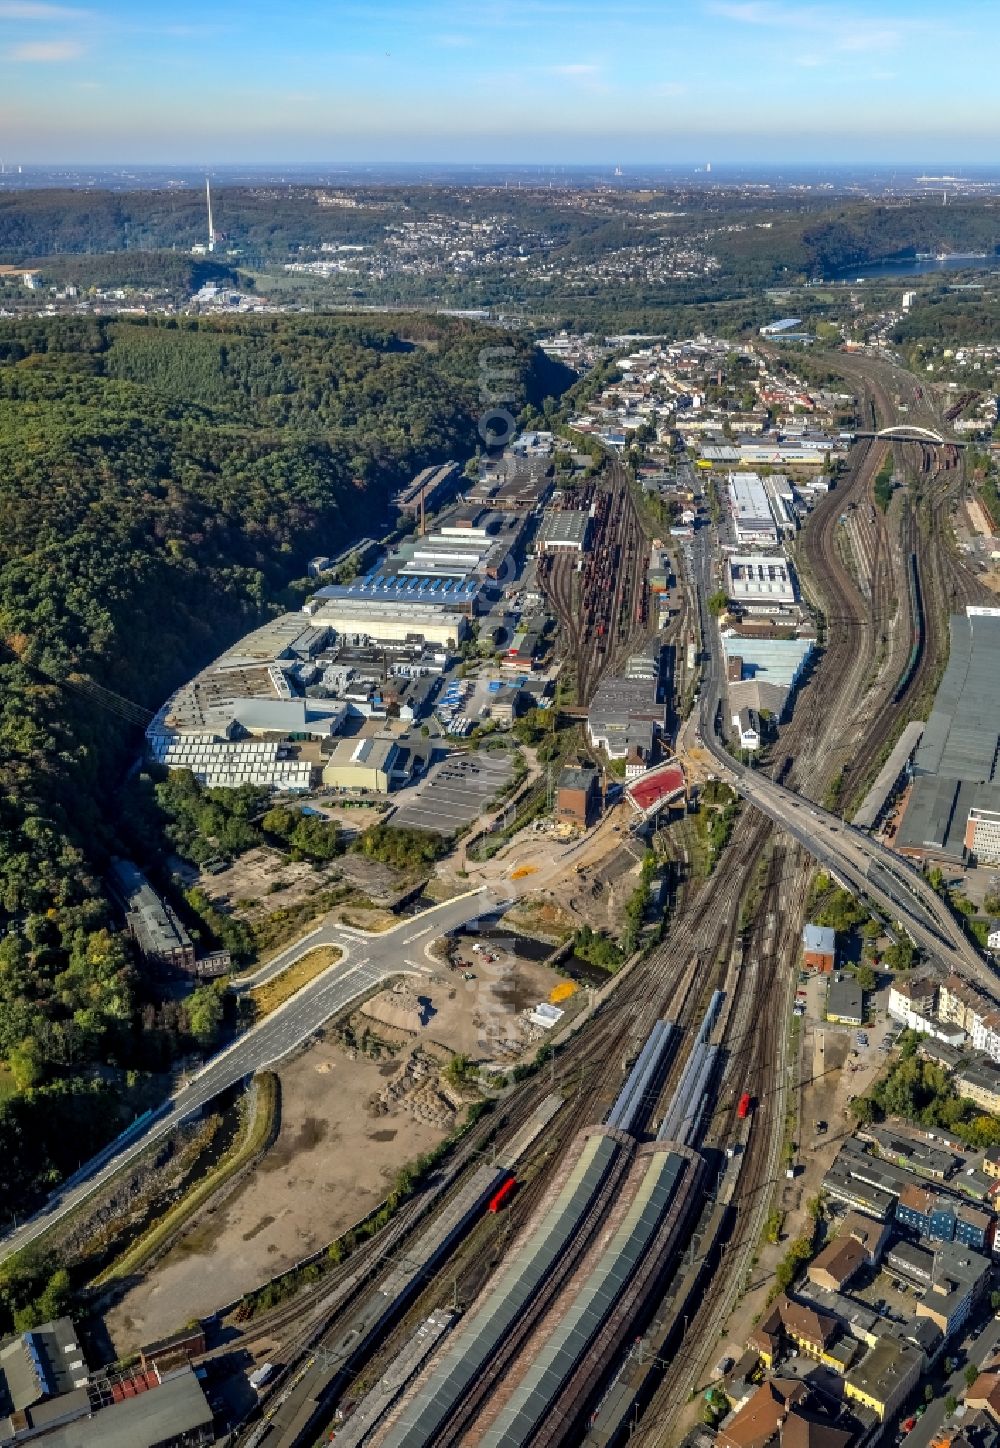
211	228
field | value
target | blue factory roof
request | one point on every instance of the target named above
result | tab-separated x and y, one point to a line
773	661
391	587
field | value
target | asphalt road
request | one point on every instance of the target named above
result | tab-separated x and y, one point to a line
368	961
977	1352
859	861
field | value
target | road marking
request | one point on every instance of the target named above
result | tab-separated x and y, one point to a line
409	939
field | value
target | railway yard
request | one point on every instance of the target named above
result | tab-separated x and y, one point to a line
566	1271
714	960
603	607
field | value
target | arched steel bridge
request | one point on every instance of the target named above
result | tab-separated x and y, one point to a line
906	432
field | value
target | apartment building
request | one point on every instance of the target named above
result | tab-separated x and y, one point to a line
885	1377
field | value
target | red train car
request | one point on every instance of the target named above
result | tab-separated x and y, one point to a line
743	1110
505	1193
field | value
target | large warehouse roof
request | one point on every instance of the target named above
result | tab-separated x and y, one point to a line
483	1332
963	733
773	661
609	1280
957	764
562	528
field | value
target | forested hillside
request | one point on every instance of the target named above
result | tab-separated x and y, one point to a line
160	482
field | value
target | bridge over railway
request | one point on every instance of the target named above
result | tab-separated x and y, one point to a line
906	432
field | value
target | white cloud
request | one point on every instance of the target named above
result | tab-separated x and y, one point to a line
839	32
585	71
45	52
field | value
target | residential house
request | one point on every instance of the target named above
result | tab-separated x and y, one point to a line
984	1395
762	1417
912	1154
980	1081
943	1218
839	1262
872	1235
979	1016
814	1333
912	1002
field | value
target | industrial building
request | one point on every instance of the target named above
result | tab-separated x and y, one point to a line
563	529
758	583
627	713
895	768
220	765
578	795
845	1001
786	452
752	518
429	489
780	327
474	542
48	1396
514	485
541	1334
40	1364
762	672
268	708
659	571
379	765
361	616
152	924
819	948
156	928
953	812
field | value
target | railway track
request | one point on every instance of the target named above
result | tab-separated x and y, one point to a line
698	953
602	608
673	980
756	1041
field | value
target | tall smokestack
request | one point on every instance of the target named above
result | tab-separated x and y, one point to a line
211	228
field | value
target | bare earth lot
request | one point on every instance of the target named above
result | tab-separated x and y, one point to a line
332	1162
348	1123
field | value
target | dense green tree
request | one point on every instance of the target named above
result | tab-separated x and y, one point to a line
160	482
204	1014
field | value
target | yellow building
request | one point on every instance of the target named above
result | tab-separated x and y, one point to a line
374	764
814	1333
885	1376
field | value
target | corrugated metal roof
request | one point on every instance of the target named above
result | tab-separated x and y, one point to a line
963	731
567	1344
483	1332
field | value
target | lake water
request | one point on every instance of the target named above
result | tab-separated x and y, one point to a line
913	267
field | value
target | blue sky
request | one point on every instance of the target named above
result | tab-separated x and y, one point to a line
499	80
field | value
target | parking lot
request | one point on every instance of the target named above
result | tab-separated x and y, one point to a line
455	793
